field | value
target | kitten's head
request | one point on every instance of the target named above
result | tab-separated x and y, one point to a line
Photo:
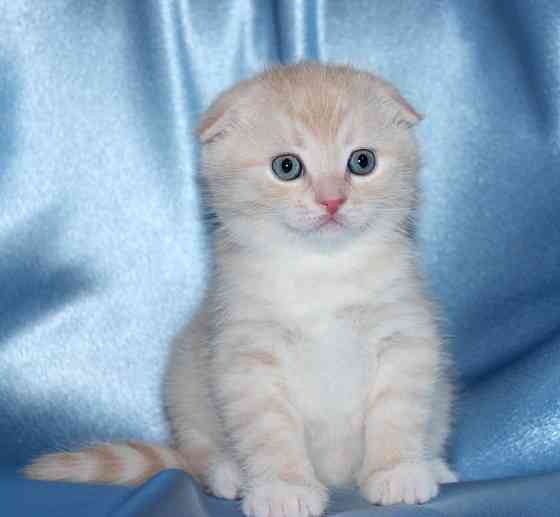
322	153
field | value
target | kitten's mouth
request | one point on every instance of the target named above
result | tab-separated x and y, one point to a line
330	222
325	225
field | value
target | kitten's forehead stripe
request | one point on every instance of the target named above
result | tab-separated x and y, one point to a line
318	98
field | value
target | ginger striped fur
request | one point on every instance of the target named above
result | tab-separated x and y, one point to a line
129	463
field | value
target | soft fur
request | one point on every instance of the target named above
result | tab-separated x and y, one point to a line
315	359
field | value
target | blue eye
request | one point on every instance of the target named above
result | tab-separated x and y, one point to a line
287	167
362	162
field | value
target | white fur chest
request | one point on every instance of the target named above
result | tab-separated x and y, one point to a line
325	301
329	364
329	372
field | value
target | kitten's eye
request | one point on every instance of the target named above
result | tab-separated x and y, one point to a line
362	162
287	167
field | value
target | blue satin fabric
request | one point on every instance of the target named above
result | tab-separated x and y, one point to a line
173	494
103	250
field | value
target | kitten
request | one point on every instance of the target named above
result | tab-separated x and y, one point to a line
314	360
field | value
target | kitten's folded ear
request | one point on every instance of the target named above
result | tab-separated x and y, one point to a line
407	115
410	117
222	115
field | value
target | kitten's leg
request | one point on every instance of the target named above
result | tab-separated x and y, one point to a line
224	476
197	429
265	430
398	464
215	467
438	433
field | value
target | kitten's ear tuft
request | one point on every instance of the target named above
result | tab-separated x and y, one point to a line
222	115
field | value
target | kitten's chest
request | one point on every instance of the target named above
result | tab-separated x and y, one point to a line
329	362
305	296
329	371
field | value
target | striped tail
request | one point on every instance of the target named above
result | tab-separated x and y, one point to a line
129	463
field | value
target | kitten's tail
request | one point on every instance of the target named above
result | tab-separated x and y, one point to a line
129	463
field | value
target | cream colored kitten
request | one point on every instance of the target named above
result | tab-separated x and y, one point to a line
315	360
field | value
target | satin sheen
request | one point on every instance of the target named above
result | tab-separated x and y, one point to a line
103	250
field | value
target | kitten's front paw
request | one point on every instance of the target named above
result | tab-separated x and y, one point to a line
410	483
280	499
224	478
443	473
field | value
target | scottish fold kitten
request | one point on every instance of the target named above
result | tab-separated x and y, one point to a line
314	360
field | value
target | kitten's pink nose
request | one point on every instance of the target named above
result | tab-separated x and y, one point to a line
332	205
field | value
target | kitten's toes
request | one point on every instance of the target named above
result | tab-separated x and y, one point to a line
410	483
280	499
443	473
224	478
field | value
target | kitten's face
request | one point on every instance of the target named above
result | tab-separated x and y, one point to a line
322	153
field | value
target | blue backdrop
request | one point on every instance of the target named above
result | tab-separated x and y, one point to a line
102	247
